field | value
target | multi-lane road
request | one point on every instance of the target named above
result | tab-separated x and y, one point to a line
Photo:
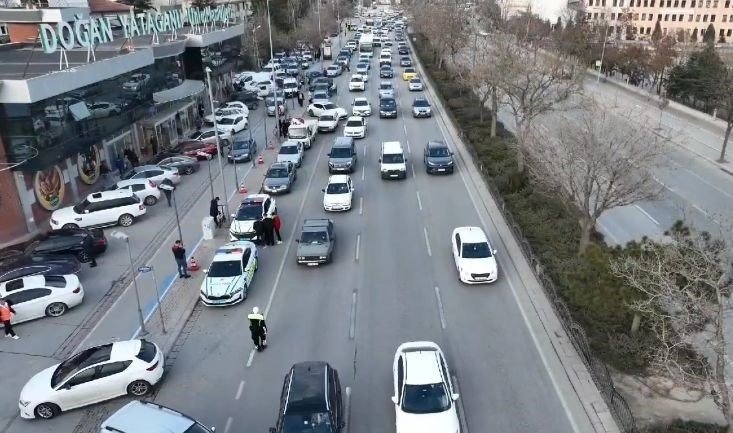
392	280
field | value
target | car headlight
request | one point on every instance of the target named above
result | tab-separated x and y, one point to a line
24	403
301	258
322	257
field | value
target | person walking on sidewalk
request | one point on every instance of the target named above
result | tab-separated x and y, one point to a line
301	98
179	253
258	329
276	225
6	314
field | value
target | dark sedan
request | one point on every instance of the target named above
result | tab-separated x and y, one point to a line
82	243
184	164
386	72
312	75
242	150
15	264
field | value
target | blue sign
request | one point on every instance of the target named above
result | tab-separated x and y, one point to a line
144	269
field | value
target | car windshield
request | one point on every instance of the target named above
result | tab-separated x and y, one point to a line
420	103
327	118
329	106
429	398
385	86
356	123
388	103
313	238
409	70
230	268
240	145
307	423
337	188
277	172
288	150
439	152
415	81
249	213
395	158
270	102
291	85
356	79
79	208
361	103
227	121
480	250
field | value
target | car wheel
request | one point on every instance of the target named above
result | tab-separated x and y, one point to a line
139	388
311	113
70	226
150	200
56	309
46	410
126	220
83	256
188	170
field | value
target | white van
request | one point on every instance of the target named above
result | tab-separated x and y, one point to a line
392	161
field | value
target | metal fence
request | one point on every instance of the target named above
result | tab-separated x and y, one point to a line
598	370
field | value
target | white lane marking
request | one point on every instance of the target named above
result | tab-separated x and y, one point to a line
251	357
525	318
412	167
363	171
462	411
427	241
703	180
358	244
408	145
239	391
347	413
228	425
352	323
419	202
646	214
404	125
440	307
365	148
361	205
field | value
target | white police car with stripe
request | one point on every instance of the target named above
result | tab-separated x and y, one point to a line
230	274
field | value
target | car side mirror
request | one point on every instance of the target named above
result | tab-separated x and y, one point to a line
455	396
206	271
494	252
86	210
233	215
212	428
297	240
323	190
328	154
380	160
394	399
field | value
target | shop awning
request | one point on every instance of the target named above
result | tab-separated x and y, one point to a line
182	91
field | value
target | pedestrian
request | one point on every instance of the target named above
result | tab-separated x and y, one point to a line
283	128
167	192
257	227
346	65
301	98
120	165
276	225
280	125
6	314
214	211
179	254
268	227
89	249
132	157
258	329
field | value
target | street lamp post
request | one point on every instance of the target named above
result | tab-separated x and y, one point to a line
218	142
172	189
320	34
257	47
274	83
123	237
603	53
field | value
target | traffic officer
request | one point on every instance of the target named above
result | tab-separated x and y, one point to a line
258	329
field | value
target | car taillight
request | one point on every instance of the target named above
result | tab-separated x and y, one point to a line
152	185
77	290
102	241
152	367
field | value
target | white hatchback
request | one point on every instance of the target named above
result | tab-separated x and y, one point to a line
475	259
424	397
337	196
356	83
38	296
356	127
91	376
291	151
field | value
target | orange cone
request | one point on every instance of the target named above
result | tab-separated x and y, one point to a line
271	146
193	265
242	189
260	160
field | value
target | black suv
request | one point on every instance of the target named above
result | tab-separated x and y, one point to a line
438	158
311	400
83	243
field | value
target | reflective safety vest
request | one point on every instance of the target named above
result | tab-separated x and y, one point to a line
257	320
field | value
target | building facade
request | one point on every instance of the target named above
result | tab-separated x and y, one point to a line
70	115
684	19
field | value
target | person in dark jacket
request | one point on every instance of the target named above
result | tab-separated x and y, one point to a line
301	98
214	211
132	157
268	227
89	248
258	329
120	165
179	254
259	234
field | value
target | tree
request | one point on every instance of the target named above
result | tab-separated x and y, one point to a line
698	80
558	25
693	37
663	57
140	6
657	33
201	4
709	37
598	162
450	18
686	284
725	102
534	84
484	76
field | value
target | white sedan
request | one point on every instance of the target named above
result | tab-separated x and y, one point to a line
316	109
291	151
356	83
93	375
233	123
223	112
356	127
475	259
361	107
415	85
328	122
238	105
338	194
424	396
42	296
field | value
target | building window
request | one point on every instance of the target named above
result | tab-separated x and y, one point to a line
684	2
659	17
676	3
603	16
643	17
652	3
715	4
697	18
666	17
727	3
674	17
712	18
705	18
595	16
636	17
648	30
692	3
725	18
603	3
728	33
614	3
690	18
707	3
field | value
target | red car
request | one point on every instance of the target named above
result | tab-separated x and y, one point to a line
198	150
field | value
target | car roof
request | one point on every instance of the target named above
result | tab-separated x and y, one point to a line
471	234
307	387
146	416
359	118
232	250
255	199
126	182
361	98
434	144
422	366
279	165
109	195
124	350
338	178
289	143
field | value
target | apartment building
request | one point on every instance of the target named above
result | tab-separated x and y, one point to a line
636	19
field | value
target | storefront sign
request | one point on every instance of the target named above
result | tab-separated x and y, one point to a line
83	32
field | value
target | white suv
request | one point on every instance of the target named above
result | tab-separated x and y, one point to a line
144	189
99	209
139	416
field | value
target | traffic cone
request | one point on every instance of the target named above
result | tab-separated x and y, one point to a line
260	160
271	146
193	265
242	189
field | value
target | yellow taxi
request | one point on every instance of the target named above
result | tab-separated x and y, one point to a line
408	74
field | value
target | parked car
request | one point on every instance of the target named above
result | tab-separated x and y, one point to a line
136	82
82	243
153	173
291	151
100	209
279	178
37	296
242	150
15	264
199	150
207	135
144	189
184	164
91	376
104	109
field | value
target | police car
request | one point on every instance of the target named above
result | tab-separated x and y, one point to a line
230	274
252	208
